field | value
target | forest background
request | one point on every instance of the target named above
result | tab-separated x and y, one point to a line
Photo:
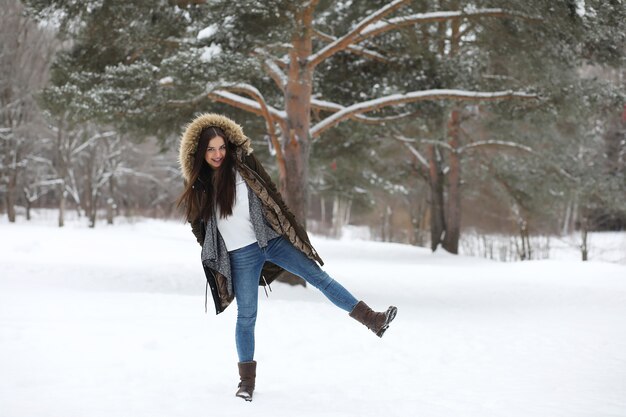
419	121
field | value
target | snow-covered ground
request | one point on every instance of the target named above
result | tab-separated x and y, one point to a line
110	322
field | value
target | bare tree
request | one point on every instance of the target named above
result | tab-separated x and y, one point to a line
26	50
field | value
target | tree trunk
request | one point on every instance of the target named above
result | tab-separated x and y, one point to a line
435	177
583	245
323	212
341	215
525	253
10	195
93	208
295	186
295	138
419	219
62	162
62	199
10	208
111	206
28	205
567	217
92	219
453	212
386	224
110	209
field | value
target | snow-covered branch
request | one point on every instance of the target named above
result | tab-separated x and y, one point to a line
493	143
41	160
358	50
92	139
394	99
244	104
47	183
73	188
244	88
334	107
139	174
103	180
437	143
276	73
350	37
418	156
272	68
218	93
420	18
500	143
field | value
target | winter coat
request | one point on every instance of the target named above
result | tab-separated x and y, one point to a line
275	211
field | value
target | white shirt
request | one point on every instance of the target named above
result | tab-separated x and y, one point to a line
237	230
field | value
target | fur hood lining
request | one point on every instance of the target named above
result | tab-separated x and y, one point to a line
191	135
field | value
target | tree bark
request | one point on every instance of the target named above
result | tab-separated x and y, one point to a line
584	226
10	195
88	197
110	208
294	186
453	211
62	199
28	203
525	253
296	139
341	214
435	181
386	224
93	195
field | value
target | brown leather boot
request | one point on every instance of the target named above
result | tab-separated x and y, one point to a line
376	322
247	374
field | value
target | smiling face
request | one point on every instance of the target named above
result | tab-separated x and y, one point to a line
215	152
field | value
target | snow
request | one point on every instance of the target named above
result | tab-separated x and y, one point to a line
208	52
110	322
277	72
350	37
468	11
604	246
601	246
580	8
208	31
243	102
393	99
166	80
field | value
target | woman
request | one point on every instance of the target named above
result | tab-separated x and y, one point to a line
247	233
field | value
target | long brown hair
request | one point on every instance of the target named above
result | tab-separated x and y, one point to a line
209	189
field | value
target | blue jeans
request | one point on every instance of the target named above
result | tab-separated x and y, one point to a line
246	264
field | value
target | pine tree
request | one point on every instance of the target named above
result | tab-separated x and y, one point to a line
146	65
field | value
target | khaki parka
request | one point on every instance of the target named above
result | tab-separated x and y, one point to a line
275	211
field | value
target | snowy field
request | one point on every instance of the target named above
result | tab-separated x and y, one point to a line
110	322
601	246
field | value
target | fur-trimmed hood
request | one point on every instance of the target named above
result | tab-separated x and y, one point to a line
191	135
